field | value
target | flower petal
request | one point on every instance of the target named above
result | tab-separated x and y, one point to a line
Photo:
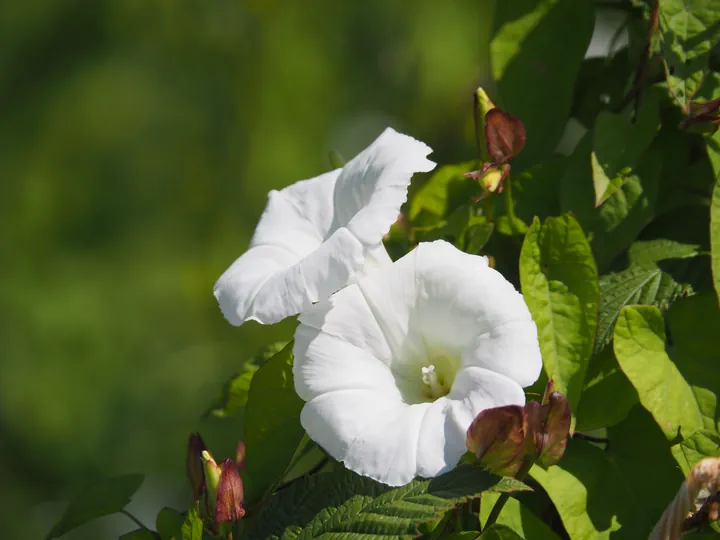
373	185
268	283
441	441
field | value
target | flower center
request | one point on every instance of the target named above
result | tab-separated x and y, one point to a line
436	385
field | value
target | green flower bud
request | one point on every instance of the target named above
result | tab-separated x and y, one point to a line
212	477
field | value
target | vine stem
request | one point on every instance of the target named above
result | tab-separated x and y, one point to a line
134	519
500	503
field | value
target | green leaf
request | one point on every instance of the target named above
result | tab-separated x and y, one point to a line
500	532
140	534
639	344
535	190
358	508
192	527
517	517
272	424
100	499
702	444
475	235
695	348
607	397
443	192
617	493
235	392
660	271
713	150
169	524
688	31
601	82
560	285
535	69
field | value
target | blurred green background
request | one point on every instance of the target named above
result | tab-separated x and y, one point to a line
138	140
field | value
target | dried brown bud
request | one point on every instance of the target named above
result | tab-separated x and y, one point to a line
497	437
195	469
505	135
229	494
549	423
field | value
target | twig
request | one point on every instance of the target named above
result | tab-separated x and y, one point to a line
315	469
133	518
590	438
707	513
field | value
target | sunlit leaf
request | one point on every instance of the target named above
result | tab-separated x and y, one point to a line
518	517
560	285
100	499
443	192
713	149
192	527
500	532
617	493
639	344
702	444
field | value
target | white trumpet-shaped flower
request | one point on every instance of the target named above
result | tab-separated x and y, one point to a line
317	235
395	367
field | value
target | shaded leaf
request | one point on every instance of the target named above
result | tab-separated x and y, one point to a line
560	285
639	344
608	396
617	493
535	71
140	534
100	499
601	82
272	424
234	395
713	149
169	524
357	507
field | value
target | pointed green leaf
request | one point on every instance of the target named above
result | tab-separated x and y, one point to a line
639	344
702	444
169	524
688	31
234	395
617	493
659	272
713	149
535	71
517	517
560	285
357	508
140	534
100	499
192	527
608	395
272	424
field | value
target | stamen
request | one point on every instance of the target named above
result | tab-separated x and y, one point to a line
430	378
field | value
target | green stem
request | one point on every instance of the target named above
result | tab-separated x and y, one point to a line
133	518
500	503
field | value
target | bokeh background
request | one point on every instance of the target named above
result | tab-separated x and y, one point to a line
138	140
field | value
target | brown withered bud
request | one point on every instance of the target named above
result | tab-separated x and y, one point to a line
195	469
497	437
505	135
549	423
240	455
230	494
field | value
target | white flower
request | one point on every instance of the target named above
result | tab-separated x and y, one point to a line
317	235
395	367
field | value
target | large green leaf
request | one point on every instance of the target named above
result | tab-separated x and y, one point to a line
234	394
560	285
659	272
100	499
272	424
344	504
169	524
140	534
639	344
535	54
517	517
702	444
688	30
601	83
695	348
713	149
617	493
608	395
